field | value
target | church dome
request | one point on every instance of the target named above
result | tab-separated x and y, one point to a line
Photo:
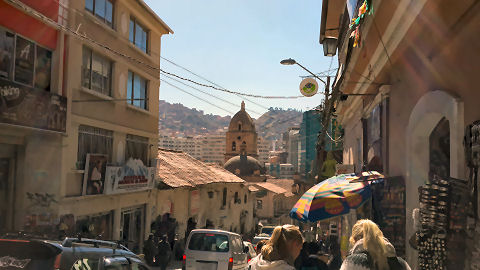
241	121
244	166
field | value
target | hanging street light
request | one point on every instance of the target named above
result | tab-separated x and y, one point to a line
329	46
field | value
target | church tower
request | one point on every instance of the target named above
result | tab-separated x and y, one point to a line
241	136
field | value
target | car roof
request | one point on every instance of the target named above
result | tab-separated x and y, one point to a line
214	231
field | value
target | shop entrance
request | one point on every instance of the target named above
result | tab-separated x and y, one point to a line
440	150
132	228
7	168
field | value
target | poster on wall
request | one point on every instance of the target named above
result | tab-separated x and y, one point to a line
133	176
94	175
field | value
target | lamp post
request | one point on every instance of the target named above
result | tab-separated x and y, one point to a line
325	115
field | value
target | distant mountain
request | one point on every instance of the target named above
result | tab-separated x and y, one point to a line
276	121
176	119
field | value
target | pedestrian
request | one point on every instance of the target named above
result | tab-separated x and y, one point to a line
149	250
164	253
280	251
335	260
370	250
313	261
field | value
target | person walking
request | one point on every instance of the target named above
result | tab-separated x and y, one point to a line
335	260
370	250
280	251
149	250
164	253
313	261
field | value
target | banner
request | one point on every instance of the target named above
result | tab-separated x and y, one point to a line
133	176
30	107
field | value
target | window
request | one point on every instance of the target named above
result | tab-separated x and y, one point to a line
245	198
236	198
6	53
137	148
96	72
234	146
102	9
259	204
209	242
137	91
239	127
138	35
24	61
224	199
95	141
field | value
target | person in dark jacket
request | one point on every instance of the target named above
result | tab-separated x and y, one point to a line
149	250
370	250
313	261
164	253
335	261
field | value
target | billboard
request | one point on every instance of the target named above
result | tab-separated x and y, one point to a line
133	176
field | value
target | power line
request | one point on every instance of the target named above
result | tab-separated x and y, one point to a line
92	41
206	101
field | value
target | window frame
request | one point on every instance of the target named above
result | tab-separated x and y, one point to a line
104	59
131	101
94	131
131	138
12	68
144	28
103	19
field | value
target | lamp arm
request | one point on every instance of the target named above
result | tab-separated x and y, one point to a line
311	73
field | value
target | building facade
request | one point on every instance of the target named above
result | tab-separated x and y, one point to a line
293	148
264	148
106	118
309	129
241	136
418	111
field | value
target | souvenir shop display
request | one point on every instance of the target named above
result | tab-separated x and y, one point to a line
443	211
388	210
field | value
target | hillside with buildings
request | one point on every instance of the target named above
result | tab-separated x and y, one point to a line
277	121
178	120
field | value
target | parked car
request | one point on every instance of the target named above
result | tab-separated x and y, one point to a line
259	238
267	230
251	250
214	249
72	253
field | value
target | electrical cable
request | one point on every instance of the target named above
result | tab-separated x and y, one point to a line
29	10
206	101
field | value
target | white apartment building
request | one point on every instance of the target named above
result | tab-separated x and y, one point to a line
263	147
207	148
293	149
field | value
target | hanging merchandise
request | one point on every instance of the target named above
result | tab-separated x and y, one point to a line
365	8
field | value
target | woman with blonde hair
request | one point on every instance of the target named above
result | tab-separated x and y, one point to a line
370	250
280	251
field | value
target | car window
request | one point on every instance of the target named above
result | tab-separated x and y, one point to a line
209	242
85	264
268	230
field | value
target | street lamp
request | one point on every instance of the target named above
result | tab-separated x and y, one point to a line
290	61
329	46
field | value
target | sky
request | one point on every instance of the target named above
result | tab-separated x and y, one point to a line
239	45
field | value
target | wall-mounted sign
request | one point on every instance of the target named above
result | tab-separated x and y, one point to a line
133	176
308	87
30	107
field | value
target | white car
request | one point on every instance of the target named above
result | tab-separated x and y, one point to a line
214	250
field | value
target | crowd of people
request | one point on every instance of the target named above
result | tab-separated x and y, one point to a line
286	250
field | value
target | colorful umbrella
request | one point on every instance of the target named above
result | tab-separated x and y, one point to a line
332	197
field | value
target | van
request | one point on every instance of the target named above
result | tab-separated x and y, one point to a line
214	250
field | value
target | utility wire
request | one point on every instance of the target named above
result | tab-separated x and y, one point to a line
84	37
206	101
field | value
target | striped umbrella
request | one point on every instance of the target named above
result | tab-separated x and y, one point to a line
332	197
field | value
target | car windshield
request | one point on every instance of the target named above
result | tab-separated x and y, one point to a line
268	231
209	242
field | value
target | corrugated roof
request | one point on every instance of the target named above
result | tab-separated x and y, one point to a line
177	169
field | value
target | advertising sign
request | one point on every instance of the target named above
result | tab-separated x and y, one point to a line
94	175
30	107
308	87
133	176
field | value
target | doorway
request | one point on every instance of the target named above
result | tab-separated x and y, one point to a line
440	150
132	228
7	179
4	194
